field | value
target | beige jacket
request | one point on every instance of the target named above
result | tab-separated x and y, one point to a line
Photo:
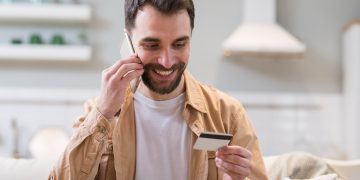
103	150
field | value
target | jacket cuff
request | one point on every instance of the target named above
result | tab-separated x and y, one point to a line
96	124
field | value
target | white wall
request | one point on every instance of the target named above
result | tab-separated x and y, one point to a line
104	34
317	23
287	122
351	56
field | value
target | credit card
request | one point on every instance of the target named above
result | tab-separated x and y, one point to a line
210	141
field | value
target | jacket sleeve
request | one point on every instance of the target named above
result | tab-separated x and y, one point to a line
82	156
245	136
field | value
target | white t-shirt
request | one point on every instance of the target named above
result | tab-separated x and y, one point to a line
162	139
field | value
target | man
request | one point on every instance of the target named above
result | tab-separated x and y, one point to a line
150	134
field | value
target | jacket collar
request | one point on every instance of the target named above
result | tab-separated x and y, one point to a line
198	165
194	95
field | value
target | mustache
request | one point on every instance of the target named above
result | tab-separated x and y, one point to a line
153	66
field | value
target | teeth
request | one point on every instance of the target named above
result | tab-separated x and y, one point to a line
164	73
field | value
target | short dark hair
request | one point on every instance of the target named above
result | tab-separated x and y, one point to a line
164	6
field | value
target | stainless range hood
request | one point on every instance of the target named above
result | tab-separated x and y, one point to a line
260	36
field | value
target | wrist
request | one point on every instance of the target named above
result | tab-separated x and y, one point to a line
106	114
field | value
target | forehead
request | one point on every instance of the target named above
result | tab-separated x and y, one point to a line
150	22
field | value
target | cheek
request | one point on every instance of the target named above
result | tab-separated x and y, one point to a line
145	57
184	58
185	55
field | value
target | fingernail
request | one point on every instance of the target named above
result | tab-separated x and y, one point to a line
218	160
221	148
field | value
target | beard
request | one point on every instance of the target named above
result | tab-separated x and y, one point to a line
157	85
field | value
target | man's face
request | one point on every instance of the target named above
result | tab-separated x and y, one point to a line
163	44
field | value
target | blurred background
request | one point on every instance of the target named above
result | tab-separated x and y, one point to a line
299	81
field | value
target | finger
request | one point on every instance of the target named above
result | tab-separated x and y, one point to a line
230	175
237	150
237	160
125	69
232	169
134	74
109	72
119	63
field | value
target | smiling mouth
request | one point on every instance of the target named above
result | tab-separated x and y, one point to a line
164	72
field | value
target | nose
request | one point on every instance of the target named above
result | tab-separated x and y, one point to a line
166	58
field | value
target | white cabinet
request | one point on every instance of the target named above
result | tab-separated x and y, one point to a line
351	59
49	15
35	109
68	53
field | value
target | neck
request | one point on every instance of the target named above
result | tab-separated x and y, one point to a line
143	89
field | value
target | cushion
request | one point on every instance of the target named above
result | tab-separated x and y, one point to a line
25	169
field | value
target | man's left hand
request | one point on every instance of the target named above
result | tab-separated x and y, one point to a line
235	161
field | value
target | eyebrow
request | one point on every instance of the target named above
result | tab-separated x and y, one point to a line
183	38
150	39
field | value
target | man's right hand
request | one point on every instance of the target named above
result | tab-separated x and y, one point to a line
115	81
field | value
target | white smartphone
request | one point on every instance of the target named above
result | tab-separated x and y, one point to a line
135	83
129	42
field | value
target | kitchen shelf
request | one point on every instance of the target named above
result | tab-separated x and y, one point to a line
67	53
45	13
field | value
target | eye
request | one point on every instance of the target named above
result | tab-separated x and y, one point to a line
151	46
179	44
